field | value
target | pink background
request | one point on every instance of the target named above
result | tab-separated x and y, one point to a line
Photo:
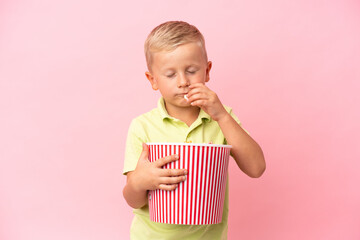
72	78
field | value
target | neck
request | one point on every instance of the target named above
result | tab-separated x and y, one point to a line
186	114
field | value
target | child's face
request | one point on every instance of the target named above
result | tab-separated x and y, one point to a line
173	72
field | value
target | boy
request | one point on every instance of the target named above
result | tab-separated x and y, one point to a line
188	111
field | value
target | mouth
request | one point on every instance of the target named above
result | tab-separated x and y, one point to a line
182	94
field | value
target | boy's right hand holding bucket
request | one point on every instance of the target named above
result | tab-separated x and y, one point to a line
150	176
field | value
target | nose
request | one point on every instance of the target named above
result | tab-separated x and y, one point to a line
183	81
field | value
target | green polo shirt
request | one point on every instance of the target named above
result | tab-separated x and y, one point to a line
158	126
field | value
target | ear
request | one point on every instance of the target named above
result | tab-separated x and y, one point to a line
209	65
152	80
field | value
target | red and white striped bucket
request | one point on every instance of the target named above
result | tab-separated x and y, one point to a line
200	198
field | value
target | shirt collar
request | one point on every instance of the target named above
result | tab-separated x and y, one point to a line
164	114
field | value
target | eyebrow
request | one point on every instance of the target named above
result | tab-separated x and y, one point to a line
186	67
194	66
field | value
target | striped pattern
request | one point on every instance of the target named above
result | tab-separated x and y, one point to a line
200	198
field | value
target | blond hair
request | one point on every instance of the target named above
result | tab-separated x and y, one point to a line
169	35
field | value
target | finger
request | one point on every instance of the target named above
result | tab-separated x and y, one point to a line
173	172
168	187
199	103
173	180
163	161
193	92
145	152
198	96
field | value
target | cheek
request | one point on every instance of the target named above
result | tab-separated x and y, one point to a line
200	78
168	86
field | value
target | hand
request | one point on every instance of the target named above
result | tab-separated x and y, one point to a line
201	96
150	175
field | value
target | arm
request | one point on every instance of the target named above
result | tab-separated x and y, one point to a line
247	153
135	197
150	176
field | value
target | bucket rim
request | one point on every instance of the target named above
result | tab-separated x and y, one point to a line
189	144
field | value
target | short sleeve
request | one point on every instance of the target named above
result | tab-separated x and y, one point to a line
229	110
234	116
133	149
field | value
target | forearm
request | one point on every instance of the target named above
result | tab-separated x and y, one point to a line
246	152
135	197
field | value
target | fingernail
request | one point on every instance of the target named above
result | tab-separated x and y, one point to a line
176	157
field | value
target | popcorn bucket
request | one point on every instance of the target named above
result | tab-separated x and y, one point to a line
200	198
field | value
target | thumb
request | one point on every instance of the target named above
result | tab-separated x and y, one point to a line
145	152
